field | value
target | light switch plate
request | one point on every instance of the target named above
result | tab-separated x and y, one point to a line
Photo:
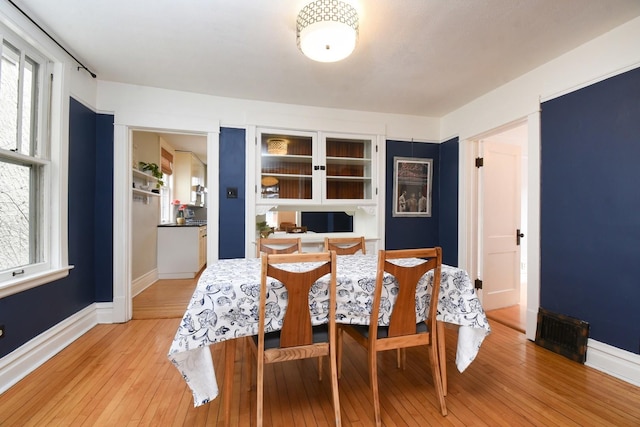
232	192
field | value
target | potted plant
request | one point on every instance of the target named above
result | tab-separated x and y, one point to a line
155	172
264	229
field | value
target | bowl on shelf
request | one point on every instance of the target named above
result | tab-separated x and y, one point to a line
145	187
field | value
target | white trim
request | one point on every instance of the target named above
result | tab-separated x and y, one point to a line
104	312
122	311
614	361
31	355
122	158
213	193
143	282
19	285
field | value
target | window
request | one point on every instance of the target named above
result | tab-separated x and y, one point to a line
26	217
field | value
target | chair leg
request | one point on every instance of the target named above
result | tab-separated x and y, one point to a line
437	378
442	355
373	381
401	357
320	368
339	350
259	391
333	365
249	358
229	361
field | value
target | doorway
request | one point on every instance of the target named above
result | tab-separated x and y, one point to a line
502	193
159	147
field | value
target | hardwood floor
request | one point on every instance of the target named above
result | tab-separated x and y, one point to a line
513	317
117	375
165	299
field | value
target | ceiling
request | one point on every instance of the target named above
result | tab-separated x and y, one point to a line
416	57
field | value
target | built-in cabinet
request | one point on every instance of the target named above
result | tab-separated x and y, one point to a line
190	178
315	168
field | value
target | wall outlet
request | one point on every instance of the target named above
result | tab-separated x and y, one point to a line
1	331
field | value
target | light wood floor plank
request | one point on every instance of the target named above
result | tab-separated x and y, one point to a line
120	375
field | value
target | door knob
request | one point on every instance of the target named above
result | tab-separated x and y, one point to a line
519	235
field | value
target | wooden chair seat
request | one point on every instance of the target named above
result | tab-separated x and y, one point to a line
383	331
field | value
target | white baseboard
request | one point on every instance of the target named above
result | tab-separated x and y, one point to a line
614	361
143	282
104	312
25	359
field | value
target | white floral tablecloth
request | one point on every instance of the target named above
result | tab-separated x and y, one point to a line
225	306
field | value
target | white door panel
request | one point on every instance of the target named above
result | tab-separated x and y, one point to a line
500	199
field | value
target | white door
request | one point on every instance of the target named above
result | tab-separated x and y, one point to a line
500	205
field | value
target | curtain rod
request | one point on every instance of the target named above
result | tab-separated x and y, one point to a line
82	66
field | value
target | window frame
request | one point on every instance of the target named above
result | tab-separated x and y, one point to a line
51	153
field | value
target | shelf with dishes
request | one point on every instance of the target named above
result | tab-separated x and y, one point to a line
143	186
316	168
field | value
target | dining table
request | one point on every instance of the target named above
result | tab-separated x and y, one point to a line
224	307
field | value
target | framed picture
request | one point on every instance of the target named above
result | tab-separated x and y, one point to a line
412	179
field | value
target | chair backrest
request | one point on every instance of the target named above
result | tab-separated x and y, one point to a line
296	327
278	246
345	245
403	315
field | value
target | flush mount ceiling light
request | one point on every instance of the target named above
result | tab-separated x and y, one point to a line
327	30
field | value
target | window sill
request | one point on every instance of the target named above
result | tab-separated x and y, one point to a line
15	286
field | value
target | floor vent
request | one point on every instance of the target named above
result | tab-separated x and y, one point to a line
563	335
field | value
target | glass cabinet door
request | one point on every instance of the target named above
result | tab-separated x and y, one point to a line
348	168
315	168
286	166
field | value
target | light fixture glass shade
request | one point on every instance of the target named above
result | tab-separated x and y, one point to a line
327	30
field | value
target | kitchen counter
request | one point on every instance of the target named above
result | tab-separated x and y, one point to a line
182	250
173	224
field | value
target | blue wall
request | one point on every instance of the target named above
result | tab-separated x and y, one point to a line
448	179
103	205
590	208
30	313
441	229
231	211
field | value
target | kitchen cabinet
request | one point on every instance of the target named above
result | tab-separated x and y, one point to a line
190	178
315	168
143	184
182	251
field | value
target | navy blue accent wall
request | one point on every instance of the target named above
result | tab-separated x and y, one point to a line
30	313
103	202
232	174
449	177
590	204
407	232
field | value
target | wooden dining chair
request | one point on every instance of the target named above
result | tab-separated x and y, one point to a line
297	339
278	246
345	245
403	330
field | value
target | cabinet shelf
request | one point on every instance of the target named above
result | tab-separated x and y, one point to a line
145	193
286	175
348	178
348	161
141	178
143	175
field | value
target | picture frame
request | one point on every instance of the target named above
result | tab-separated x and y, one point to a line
412	183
